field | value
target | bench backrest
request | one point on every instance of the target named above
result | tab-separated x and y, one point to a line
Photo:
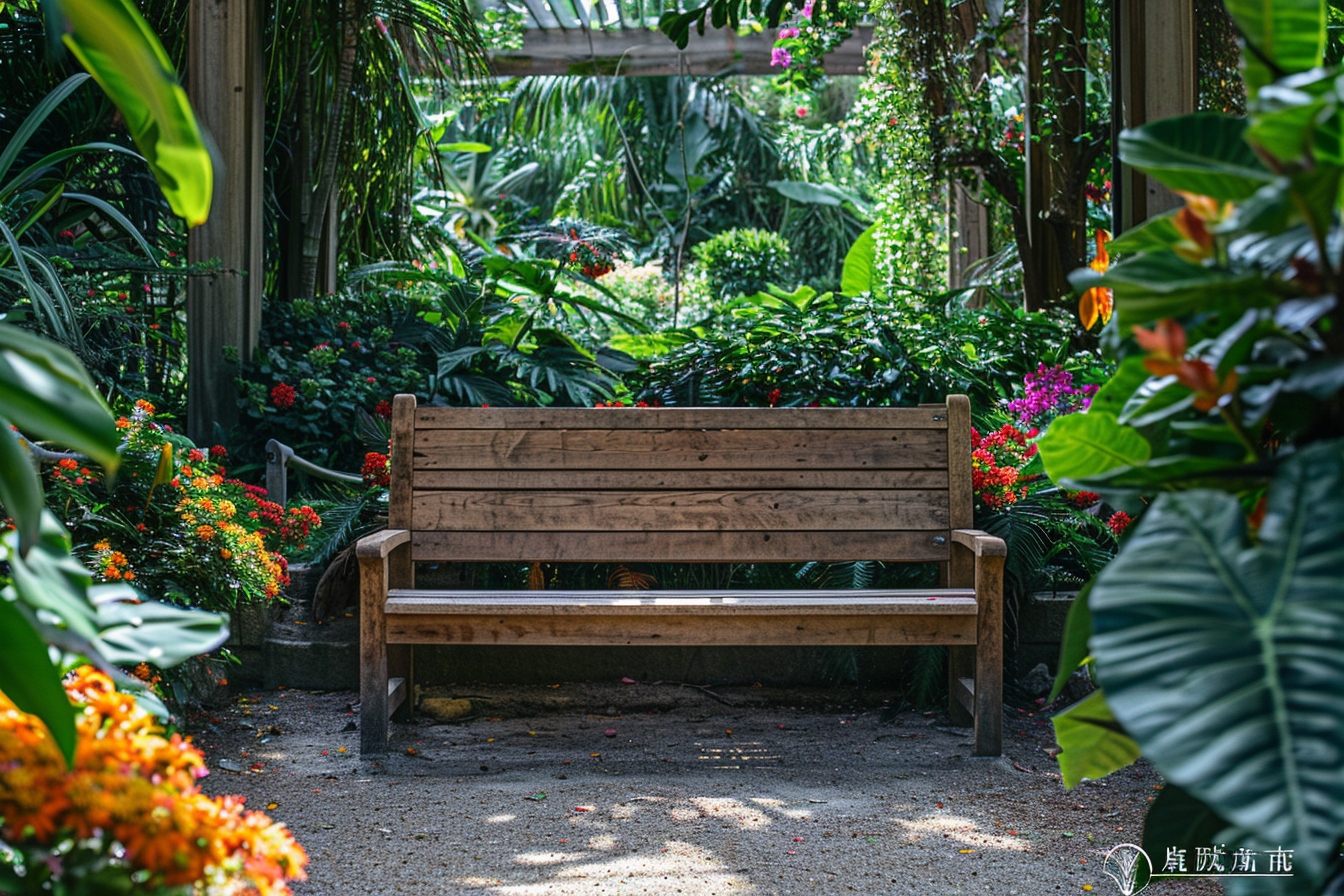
680	484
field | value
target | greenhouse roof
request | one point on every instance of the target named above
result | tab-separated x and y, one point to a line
621	37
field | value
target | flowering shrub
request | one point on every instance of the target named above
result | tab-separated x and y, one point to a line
173	523
321	364
1050	393
997	459
128	815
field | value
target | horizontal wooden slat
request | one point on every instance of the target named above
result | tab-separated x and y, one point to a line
602	511
679	547
689	629
858	602
923	417
674	449
633	480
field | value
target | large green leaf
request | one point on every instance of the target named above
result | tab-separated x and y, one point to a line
1162	284
47	577
1176	820
29	679
1092	743
1073	648
859	275
1081	445
46	392
20	489
1282	37
131	632
114	43
1203	153
1222	658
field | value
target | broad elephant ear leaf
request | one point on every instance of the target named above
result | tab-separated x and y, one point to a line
1222	658
30	680
114	43
1282	37
1092	743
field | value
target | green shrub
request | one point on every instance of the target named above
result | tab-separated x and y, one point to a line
744	262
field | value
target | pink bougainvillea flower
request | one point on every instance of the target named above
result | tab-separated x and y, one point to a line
781	56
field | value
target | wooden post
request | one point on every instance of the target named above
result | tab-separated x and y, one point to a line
225	82
1155	77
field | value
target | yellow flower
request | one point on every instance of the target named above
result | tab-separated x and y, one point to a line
205	533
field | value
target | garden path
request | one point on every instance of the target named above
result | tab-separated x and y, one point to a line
657	789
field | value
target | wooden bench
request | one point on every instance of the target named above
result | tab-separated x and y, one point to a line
740	485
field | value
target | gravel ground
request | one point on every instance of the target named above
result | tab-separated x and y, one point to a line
662	789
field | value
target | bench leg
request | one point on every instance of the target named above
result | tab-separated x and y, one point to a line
989	656
401	664
960	665
372	657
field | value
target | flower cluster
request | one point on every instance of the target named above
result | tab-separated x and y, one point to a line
997	459
377	470
132	801
175	525
1050	393
591	260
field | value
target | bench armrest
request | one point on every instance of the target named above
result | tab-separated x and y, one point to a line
981	543
378	545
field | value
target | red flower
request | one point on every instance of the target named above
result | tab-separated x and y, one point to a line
219	451
195	455
283	395
376	471
1119	522
384	410
1084	499
774	397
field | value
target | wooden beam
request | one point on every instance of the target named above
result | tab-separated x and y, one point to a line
225	82
1155	77
650	52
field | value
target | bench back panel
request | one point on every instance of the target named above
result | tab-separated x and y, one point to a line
680	484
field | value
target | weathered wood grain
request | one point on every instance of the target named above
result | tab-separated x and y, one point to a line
680	449
679	547
923	417
667	480
719	511
687	629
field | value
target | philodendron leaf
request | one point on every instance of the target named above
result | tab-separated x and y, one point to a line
114	43
1073	649
46	392
1282	37
859	275
1081	445
1223	658
1092	743
1203	153
155	632
28	678
20	489
1176	820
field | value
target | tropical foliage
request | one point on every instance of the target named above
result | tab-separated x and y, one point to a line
1215	632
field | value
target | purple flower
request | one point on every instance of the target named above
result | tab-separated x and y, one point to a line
807	9
787	33
781	56
1050	393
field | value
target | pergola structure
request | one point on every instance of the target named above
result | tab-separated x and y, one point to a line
1153	47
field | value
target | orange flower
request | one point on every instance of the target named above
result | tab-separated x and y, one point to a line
205	533
1193	223
1098	301
1166	345
140	790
